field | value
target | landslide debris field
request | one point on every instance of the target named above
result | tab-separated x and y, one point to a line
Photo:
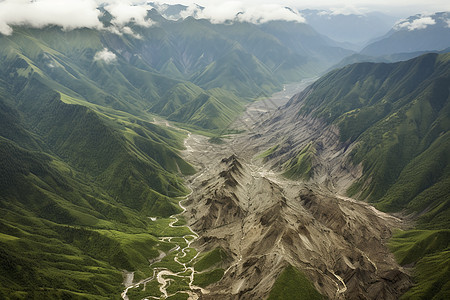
256	223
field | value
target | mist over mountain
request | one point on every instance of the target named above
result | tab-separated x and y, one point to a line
353	28
185	151
416	33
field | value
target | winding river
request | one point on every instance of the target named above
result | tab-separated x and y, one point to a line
162	275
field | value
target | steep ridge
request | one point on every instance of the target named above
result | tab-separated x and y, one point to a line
76	188
267	223
274	197
147	67
88	178
379	132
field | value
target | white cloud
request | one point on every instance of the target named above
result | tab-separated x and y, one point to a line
128	30
68	14
408	7
240	11
124	12
347	10
421	23
270	12
105	55
448	23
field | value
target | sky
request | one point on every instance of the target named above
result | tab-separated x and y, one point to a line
71	14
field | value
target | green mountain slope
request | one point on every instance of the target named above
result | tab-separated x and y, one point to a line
214	109
238	72
83	165
135	72
397	115
77	185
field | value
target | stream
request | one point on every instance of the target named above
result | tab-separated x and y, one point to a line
161	274
164	276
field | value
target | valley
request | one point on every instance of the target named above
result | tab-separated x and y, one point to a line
266	223
197	146
182	254
159	151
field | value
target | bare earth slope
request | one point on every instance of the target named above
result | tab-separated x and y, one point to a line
266	222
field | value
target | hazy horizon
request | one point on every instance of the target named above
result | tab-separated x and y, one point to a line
71	14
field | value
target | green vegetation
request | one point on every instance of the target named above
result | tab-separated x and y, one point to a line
429	252
399	117
84	166
151	289
239	72
77	184
300	166
230	64
214	109
410	246
432	275
292	284
210	259
190	254
179	296
269	152
206	278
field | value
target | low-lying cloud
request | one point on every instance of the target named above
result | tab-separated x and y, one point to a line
69	14
421	23
105	55
345	10
72	14
124	12
242	12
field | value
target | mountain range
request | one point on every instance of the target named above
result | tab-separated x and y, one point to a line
377	132
98	133
416	33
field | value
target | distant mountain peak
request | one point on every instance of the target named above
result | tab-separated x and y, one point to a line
421	32
422	21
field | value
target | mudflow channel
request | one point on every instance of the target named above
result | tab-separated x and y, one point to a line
264	222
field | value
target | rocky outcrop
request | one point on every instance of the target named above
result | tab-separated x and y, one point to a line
266	222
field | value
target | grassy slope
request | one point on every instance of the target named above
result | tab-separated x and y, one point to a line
398	114
214	109
65	196
151	73
82	174
240	73
300	166
210	259
208	267
292	284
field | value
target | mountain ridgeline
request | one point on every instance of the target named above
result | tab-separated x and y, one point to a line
164	68
85	162
413	34
91	170
76	187
388	126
